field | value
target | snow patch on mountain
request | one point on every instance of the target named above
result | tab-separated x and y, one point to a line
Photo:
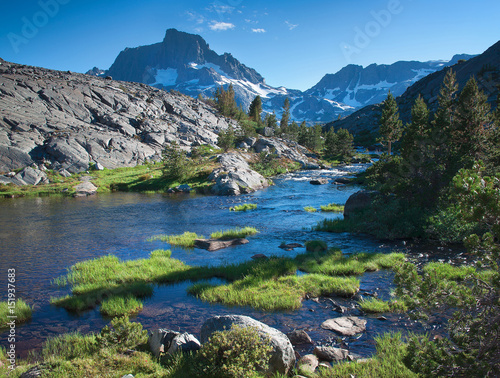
166	77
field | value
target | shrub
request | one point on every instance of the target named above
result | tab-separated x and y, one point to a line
123	334
236	353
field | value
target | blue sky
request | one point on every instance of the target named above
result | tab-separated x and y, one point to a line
290	43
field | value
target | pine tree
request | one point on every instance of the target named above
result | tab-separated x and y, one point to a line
417	132
390	124
226	139
331	144
473	114
345	143
255	110
285	118
175	162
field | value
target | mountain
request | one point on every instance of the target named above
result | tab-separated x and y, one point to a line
185	62
485	68
356	86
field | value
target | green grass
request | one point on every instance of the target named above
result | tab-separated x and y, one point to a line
387	362
337	225
375	305
279	293
235	233
184	240
22	311
244	207
333	207
310	209
118	306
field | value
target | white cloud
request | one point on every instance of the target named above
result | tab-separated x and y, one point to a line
259	30
290	25
220	26
193	16
220	8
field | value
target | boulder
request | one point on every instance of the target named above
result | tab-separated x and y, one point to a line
319	181
358	201
308	363
30	176
259	256
282	358
216	244
346	325
170	342
85	189
331	354
298	337
291	246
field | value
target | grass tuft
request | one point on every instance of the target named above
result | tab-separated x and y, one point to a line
121	305
310	209
22	311
244	207
235	233
375	305
184	240
333	207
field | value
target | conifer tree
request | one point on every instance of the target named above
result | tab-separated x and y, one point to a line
285	118
417	131
255	110
345	143
331	145
390	124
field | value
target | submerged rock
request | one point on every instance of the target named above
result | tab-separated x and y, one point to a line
319	181
298	337
282	358
331	354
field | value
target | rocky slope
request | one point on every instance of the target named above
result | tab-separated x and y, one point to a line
69	120
485	68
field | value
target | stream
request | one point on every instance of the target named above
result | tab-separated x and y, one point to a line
41	237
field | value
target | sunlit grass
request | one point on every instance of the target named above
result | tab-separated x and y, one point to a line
21	310
375	305
184	240
333	207
121	305
235	233
310	209
244	207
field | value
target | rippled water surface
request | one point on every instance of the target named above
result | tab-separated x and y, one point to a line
42	237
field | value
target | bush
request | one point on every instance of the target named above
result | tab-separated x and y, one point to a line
175	162
237	353
123	334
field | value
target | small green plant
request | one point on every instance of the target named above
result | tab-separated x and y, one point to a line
333	207
123	334
121	305
70	346
183	240
235	233
236	353
22	311
310	209
244	207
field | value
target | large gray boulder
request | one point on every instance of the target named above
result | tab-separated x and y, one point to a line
234	176
282	357
286	149
170	342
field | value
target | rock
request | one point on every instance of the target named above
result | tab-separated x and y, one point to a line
346	325
128	376
235	176
282	358
319	181
85	189
291	246
184	188
331	354
30	176
99	166
325	365
358	201
10	174
259	256
298	337
34	372
343	180
308	363
286	149
215	244
64	173
170	342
